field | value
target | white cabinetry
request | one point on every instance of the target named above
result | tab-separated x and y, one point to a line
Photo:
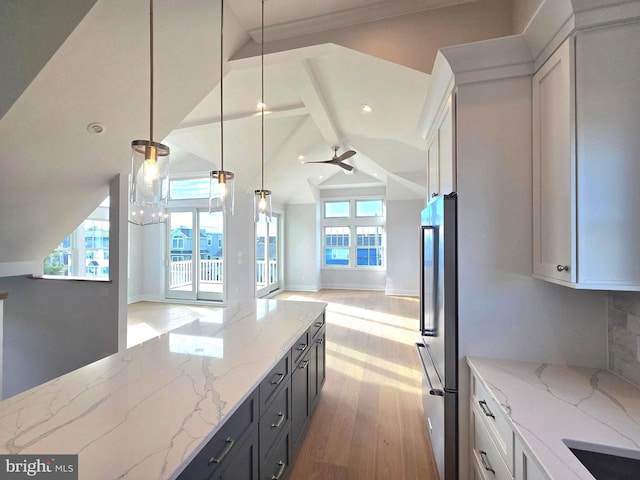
440	151
586	146
496	452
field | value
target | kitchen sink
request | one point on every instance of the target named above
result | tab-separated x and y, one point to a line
606	463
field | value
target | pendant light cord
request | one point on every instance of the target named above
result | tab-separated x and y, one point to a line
151	70
262	86
221	88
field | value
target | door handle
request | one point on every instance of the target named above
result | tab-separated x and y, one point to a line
436	392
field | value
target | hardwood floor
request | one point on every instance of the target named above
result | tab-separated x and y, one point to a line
368	423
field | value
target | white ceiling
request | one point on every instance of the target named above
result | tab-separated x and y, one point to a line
55	173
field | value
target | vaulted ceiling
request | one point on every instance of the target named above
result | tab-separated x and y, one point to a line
86	61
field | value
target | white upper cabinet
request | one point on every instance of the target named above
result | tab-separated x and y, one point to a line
441	151
586	161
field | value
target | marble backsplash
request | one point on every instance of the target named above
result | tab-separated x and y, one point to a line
624	334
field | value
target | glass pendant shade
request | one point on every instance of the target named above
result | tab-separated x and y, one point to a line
148	182
262	205
221	192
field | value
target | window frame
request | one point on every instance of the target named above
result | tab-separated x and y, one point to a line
353	222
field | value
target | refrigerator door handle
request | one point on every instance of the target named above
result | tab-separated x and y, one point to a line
432	391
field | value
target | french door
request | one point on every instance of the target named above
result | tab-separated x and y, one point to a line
267	256
195	255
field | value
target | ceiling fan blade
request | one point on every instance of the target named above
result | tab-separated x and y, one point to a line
319	161
345	155
346	166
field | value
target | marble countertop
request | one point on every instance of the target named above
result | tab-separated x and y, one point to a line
144	413
549	403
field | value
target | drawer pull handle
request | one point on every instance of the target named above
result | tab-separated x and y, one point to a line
302	347
304	365
485	462
278	475
276	381
318	324
279	422
485	409
225	451
320	341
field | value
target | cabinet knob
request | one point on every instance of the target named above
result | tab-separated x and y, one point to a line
562	268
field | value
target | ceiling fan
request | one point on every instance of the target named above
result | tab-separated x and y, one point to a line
338	159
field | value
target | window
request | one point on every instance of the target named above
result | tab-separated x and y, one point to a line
353	233
369	246
336	245
209	241
368	208
188	188
85	252
177	243
338	209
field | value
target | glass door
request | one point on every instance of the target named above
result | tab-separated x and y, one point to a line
210	285
267	256
195	266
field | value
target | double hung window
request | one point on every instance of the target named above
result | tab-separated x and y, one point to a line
353	233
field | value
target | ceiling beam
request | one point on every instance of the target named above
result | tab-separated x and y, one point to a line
279	112
308	88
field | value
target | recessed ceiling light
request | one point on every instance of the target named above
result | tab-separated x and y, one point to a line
365	108
300	157
96	128
320	177
261	105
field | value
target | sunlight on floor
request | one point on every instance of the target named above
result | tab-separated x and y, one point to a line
140	332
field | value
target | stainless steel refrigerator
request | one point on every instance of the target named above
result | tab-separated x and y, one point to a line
438	348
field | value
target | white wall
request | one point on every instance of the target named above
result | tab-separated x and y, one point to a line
503	311
302	251
241	250
403	247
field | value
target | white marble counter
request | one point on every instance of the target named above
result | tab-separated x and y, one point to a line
144	413
549	403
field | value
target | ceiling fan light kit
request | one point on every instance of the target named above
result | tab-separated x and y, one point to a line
221	182
149	176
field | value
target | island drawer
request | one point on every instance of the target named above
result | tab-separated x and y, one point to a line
494	419
316	326
300	348
224	443
272	382
275	420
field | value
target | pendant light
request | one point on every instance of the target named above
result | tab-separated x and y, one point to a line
262	197
149	177
221	182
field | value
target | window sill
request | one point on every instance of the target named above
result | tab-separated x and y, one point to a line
70	279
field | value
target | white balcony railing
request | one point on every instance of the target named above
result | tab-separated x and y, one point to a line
181	273
211	271
266	270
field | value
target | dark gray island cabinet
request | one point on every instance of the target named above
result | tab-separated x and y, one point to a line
262	437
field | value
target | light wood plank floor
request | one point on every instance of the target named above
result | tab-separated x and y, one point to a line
368	423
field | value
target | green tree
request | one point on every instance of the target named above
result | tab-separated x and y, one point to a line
52	266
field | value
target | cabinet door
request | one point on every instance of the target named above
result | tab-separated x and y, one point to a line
300	398
244	463
554	168
434	168
446	145
608	148
321	351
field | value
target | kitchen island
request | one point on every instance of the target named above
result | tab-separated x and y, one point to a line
147	412
545	409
